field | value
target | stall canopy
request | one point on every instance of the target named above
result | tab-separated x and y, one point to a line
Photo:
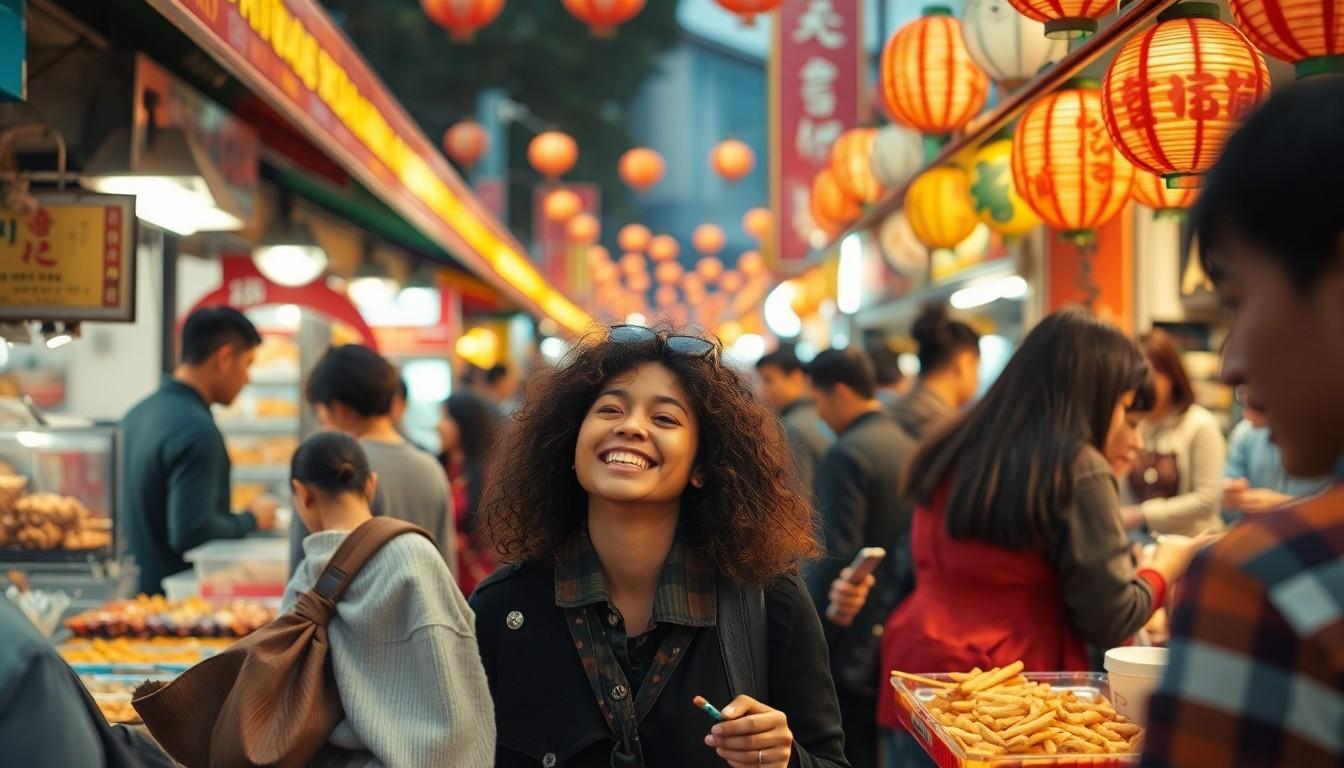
294	57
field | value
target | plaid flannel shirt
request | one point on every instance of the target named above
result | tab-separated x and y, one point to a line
1256	675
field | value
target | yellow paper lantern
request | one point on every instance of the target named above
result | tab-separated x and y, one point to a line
993	194
938	205
1152	190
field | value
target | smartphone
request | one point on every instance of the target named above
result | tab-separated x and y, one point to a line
865	563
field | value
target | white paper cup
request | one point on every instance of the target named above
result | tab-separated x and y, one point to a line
1134	673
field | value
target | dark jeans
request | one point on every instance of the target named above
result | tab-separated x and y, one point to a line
858	716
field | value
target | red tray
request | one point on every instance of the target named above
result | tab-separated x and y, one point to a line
912	704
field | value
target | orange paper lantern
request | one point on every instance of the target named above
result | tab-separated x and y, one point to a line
668	272
665	296
758	222
830	204
929	80
748	10
708	239
732	159
731	281
604	16
633	264
1306	33
605	273
1175	92
751	263
851	162
552	153
1065	19
1152	190
634	238
939	208
639	282
692	284
598	255
462	17
465	142
664	248
561	205
1064	164
641	168
583	229
709	268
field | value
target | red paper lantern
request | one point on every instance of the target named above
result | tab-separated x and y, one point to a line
664	248
749	9
929	80
1306	33
641	168
634	238
758	222
561	205
604	16
462	17
831	207
465	142
1152	190
1065	165
1176	91
851	162
1065	19
552	153
583	229
732	159
708	239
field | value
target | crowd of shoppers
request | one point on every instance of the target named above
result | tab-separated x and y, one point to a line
784	388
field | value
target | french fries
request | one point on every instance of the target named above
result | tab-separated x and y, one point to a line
1001	712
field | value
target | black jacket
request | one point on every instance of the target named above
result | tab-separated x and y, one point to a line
860	502
546	715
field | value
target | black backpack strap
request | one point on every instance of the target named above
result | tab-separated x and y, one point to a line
744	638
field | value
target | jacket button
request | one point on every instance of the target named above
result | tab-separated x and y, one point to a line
611	619
619	693
548	761
514	620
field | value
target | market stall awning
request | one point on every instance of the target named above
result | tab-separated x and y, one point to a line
293	56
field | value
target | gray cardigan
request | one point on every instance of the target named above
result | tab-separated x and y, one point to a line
1197	442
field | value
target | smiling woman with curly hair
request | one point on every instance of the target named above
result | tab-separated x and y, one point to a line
644	498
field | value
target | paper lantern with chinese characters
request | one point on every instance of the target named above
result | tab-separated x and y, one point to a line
758	222
1308	34
832	209
1152	190
462	17
751	263
938	205
552	153
993	194
732	159
708	239
634	238
633	264
1066	19
898	154
851	157
561	205
641	168
604	16
465	142
1177	90
929	81
583	229
668	272
664	248
709	268
748	10
1065	165
1008	46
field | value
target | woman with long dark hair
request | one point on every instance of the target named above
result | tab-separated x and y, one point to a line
643	497
949	372
1018	547
468	429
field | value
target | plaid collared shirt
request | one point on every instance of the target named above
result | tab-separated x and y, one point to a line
684	602
1256	675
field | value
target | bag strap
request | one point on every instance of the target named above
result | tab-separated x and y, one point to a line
362	544
744	638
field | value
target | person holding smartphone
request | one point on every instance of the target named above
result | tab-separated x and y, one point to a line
642	500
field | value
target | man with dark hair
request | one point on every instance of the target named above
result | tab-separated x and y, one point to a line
352	390
501	386
784	388
861	505
175	492
1256	672
890	380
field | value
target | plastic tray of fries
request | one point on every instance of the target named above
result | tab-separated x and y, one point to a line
1036	719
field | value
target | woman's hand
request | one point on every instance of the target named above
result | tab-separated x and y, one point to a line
752	735
847	599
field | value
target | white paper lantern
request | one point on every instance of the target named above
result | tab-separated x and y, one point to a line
1008	46
898	154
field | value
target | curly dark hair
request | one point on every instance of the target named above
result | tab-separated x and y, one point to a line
748	517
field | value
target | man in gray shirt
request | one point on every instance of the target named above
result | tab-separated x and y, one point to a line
784	388
352	389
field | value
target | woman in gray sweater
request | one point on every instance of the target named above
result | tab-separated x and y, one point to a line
403	641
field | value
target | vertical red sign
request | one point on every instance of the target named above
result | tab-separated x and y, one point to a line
816	84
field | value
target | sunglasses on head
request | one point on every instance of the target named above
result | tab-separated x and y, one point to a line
686	346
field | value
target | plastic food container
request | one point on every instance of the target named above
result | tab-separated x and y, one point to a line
912	699
181	586
1134	673
246	568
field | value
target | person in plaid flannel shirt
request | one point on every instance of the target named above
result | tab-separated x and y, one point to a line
1256	676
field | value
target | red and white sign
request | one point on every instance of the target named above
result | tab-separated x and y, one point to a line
816	93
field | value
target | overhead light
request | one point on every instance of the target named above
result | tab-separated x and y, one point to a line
372	292
748	348
779	314
57	335
849	275
980	294
176	186
635	318
289	255
553	349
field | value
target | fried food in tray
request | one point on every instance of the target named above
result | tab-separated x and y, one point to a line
155	616
47	521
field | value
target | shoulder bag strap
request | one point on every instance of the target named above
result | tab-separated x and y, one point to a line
744	638
362	544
